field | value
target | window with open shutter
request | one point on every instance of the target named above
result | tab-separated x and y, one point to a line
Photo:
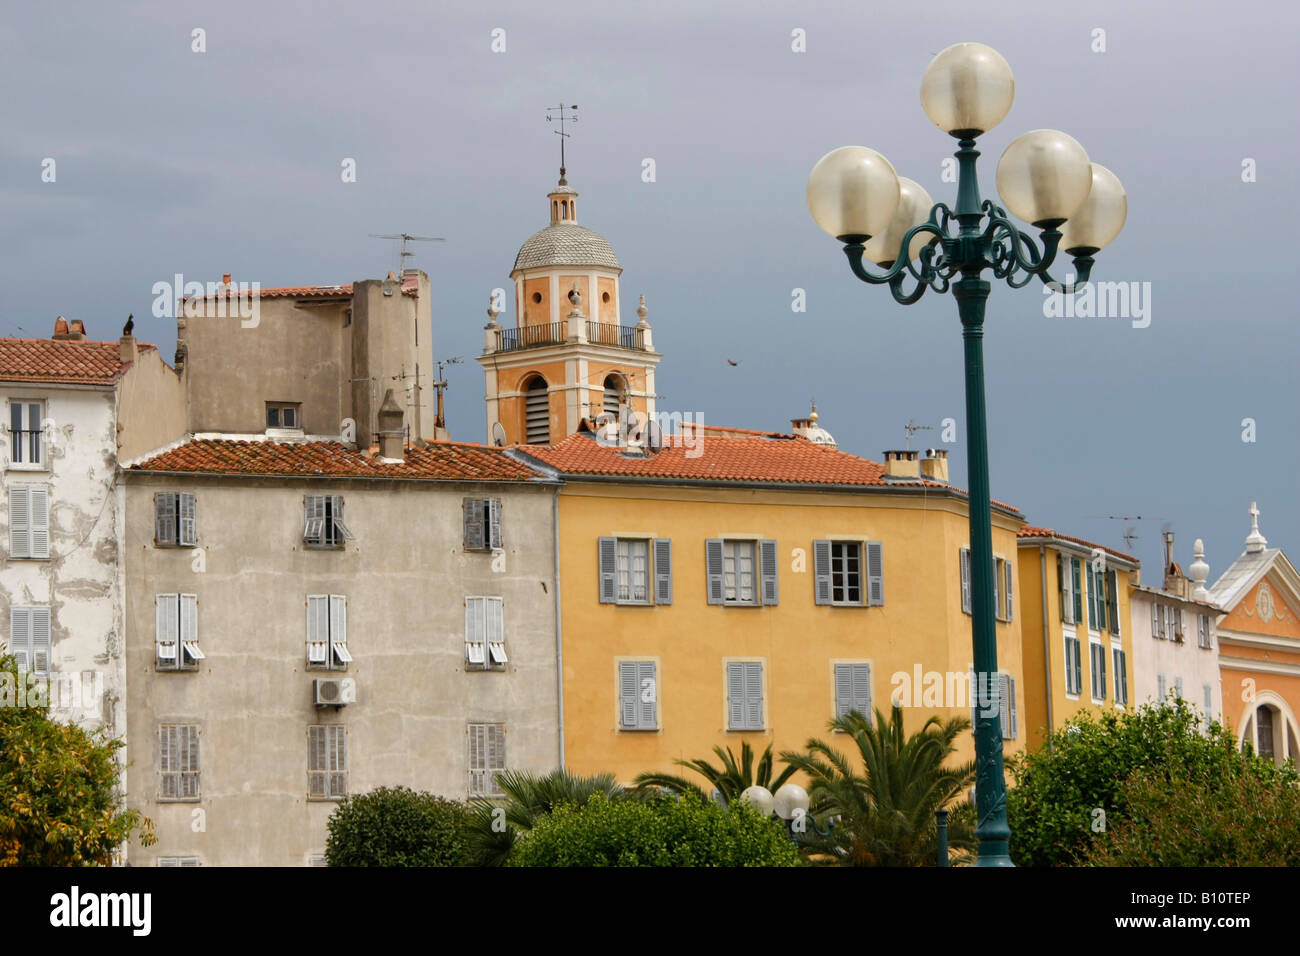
475	522
188	615
853	689
336	532
1065	580
1011	613
875	573
607	552
1078	590
495	628
964	562
164	518
822	572
738	573
476	631
167	629
1103	600
768	568
713	570
663	570
189	532
26	437
340	657
313	532
1092	596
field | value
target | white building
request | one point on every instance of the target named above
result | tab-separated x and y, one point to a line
1175	643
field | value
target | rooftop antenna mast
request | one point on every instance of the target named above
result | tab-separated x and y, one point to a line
440	385
912	428
404	254
554	112
1130	533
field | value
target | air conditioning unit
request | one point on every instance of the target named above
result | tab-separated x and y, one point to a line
334	691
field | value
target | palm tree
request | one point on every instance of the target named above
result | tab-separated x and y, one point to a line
886	812
495	825
730	780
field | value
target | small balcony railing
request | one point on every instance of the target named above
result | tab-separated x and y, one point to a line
621	336
532	336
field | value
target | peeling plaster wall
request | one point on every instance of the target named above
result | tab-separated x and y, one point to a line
405	577
80	580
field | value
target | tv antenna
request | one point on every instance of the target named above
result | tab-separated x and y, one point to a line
440	385
912	428
404	254
1130	533
572	117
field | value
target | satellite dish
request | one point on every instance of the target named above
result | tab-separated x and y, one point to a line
498	435
654	436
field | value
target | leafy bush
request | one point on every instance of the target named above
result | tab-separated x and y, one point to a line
58	800
1246	819
687	831
1053	808
397	827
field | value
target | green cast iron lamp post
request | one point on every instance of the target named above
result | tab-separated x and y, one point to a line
1044	178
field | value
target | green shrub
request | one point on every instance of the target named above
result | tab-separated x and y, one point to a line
667	832
1066	793
397	827
1245	819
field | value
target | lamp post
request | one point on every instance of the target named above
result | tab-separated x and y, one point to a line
1044	178
790	803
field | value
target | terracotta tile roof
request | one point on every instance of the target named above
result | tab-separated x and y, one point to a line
62	360
441	461
768	457
1029	531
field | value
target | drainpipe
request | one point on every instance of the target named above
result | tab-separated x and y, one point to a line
1047	643
559	628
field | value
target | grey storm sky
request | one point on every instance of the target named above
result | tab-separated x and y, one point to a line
229	161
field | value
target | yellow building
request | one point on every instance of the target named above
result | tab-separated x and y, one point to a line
747	586
1076	626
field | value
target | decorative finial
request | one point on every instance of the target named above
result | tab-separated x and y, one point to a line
642	312
492	311
572	117
812	416
1199	571
1255	542
575	297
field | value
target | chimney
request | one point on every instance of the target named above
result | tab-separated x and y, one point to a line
78	331
902	464
61	328
126	349
390	429
225	279
934	465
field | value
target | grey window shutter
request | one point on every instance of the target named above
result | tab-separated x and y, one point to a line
1060	584
1078	591
627	694
1011	696
843	689
339	764
822	572
41	640
189	527
875	573
340	532
767	565
189	618
20	522
862	689
338	624
318	610
167	748
1155	619
1092	596
314	528
965	580
1113	593
1011	614
753	695
40	500
735	695
607	549
1101	669
1103	600
1004	705
190	753
663	558
997	592
494	522
647	681
20	637
1178	685
1160	686
1078	667
164	518
473	524
713	569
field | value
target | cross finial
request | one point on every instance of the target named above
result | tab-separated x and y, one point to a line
1255	541
570	117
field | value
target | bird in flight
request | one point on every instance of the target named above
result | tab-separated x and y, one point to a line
732	362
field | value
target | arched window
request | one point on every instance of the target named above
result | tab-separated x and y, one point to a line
613	397
537	412
564	209
1270	729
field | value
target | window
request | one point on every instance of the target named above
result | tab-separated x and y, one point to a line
485	635
732	575
29	639
1073	666
1097	659
178	861
1097	599
281	415
853	689
29	522
486	746
176	632
1171	629
1208	696
1161	686
537	412
327	631
1203	631
26	443
173	520
482	519
1112	601
638	695
626	570
838	576
1180	623
1121	675
1008	713
744	695
964	563
1157	621
1002	602
1178	686
324	527
327	762
1068	576
178	762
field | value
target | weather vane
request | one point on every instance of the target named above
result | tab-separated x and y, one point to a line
572	117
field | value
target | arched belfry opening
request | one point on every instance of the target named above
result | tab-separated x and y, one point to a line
537	412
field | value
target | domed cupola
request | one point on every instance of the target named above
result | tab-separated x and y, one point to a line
564	242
